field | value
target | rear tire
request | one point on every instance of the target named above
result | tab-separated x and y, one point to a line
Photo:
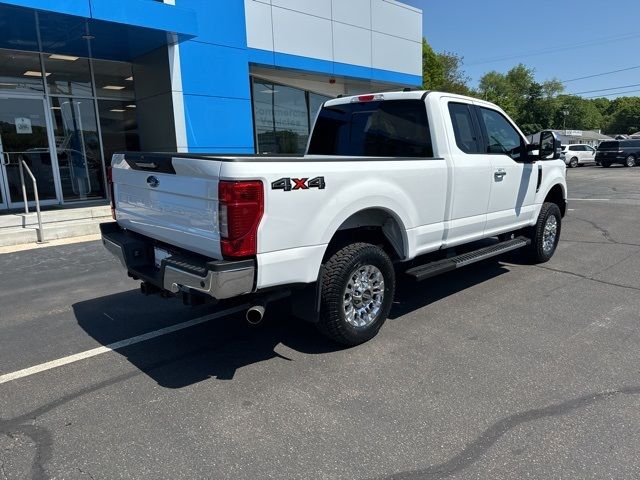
358	284
573	163
630	161
546	233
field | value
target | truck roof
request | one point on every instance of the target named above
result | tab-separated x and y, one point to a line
402	95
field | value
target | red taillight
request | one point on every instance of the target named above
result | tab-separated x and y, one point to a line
240	211
112	198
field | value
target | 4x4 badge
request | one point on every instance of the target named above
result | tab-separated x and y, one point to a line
288	184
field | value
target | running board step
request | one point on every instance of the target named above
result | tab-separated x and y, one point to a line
432	269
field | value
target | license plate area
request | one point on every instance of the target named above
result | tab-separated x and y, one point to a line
159	254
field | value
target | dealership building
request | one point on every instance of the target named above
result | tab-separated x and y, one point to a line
82	79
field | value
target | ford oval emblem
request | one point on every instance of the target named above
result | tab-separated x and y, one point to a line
153	182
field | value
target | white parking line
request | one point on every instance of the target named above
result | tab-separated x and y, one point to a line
27	372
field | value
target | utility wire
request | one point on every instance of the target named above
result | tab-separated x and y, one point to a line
612	94
532	53
606	89
600	74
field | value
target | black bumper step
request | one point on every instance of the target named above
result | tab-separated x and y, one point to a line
432	269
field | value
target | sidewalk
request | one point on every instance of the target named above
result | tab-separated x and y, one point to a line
20	229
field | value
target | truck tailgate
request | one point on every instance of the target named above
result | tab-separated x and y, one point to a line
176	204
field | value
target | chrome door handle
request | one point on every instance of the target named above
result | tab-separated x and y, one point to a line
500	173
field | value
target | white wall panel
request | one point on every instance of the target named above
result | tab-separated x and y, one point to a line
393	18
351	45
396	54
353	12
319	8
383	34
300	34
259	28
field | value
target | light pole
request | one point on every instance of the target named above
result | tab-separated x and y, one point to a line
565	113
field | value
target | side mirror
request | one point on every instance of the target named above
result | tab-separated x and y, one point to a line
550	146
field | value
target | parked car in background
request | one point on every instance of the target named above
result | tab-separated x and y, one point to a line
578	155
623	152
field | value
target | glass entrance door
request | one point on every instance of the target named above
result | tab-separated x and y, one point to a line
24	136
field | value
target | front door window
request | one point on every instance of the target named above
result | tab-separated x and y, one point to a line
23	137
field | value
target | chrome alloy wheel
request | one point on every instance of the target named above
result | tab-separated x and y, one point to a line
363	296
550	234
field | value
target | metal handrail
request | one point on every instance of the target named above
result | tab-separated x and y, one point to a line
22	164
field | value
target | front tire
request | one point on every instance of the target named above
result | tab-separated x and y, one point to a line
546	233
358	284
630	161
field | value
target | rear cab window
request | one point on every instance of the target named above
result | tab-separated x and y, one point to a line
465	127
381	128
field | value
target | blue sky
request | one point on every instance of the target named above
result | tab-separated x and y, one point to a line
565	39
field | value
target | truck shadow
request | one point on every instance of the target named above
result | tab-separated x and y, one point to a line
220	347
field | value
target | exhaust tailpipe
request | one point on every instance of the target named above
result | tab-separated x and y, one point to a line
255	314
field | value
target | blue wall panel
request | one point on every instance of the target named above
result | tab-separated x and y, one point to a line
215	123
221	21
214	70
215	79
146	13
78	7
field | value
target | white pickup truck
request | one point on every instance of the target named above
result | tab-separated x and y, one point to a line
391	182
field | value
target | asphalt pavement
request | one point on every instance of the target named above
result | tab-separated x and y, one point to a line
503	370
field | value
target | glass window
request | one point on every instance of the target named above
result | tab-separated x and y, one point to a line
23	131
501	135
20	71
67	75
391	128
119	126
78	147
463	128
113	79
281	118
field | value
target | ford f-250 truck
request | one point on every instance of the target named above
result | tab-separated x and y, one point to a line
390	182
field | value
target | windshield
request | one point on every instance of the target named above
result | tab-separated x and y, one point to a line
386	128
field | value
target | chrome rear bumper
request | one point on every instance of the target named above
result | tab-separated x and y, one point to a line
179	272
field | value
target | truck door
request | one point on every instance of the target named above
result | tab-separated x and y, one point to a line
471	172
513	182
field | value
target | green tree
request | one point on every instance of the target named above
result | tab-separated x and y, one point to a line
625	115
432	69
582	114
443	71
531	104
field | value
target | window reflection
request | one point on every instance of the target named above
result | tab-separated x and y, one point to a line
282	116
113	79
119	126
78	148
20	71
67	75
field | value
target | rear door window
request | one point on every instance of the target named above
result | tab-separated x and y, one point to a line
385	128
464	128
